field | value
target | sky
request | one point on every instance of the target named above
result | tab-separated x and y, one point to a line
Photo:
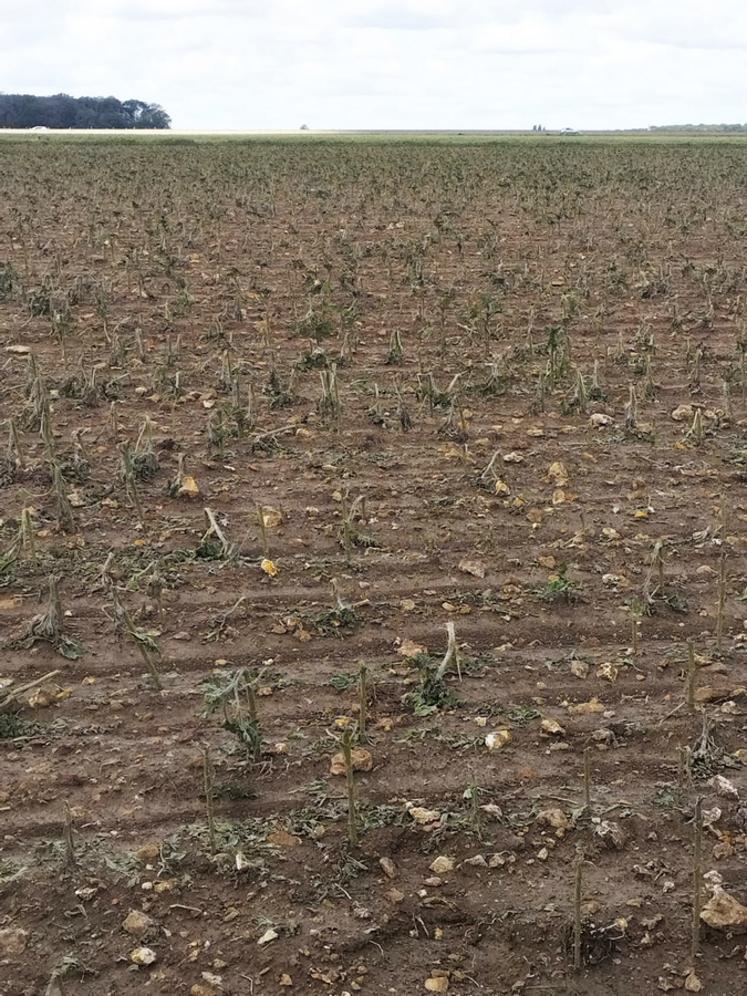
379	64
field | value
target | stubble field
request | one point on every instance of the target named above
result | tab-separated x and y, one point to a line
430	453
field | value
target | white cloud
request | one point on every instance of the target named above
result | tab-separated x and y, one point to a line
381	63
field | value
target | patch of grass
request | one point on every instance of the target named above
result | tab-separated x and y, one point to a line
523	715
670	797
475	667
560	589
233	791
14	725
332	622
459	742
343	682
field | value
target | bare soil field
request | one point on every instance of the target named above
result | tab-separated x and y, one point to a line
372	578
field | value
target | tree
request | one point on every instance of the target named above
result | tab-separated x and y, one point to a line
21	110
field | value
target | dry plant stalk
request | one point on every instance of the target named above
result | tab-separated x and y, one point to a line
329	403
349	513
65	517
451	656
26	536
227	549
631	410
683	768
587	778
264	538
635	633
15	450
697	878
145	644
362	704
721	601
47	627
68	839
692	674
207	776
577	921
347	750
130	482
696	432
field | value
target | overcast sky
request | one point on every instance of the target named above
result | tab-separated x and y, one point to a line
256	64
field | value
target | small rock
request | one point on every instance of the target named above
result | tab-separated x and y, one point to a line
138	924
494	741
13	941
142	956
682	413
501	859
362	761
281	838
705	570
711	816
599	420
608	671
693	983
610	833
388	867
557	474
723	910
212	985
473	567
437	984
408	648
478	861
268	937
183	636
552	727
271	517
442	864
148	852
586	708
424	816
492	810
580	669
554	818
189	487
723	787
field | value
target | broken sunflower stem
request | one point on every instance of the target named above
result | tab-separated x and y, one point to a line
347	750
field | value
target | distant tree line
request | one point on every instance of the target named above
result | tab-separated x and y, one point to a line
22	110
700	127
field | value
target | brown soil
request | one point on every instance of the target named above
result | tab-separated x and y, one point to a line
185	275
